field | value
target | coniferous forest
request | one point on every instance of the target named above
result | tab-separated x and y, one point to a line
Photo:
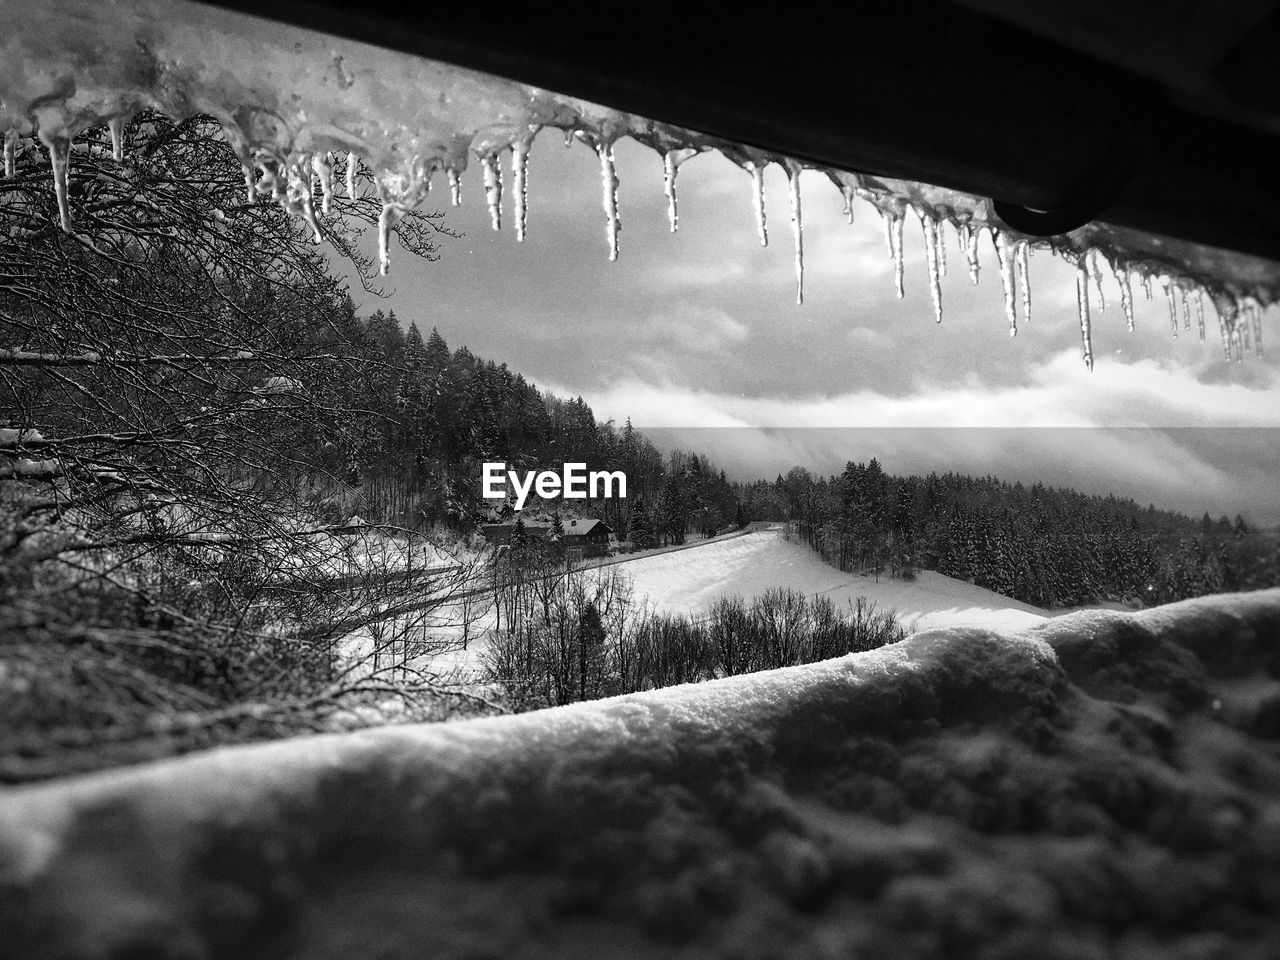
1045	546
442	414
1050	547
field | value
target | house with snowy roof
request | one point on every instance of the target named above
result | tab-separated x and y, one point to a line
592	536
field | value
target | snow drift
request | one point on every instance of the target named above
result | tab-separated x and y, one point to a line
1103	784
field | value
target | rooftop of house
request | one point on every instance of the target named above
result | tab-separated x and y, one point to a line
578	528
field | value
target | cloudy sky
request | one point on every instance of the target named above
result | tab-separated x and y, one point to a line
697	336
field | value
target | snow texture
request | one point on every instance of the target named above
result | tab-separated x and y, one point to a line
1100	785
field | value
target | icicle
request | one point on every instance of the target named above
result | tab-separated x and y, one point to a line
847	192
1024	277
1146	286
1200	311
10	152
609	186
351	176
1166	284
116	126
388	217
669	171
568	138
757	200
671	160
1238	327
1004	254
931	253
1091	259
59	159
455	186
1082	304
309	217
971	254
323	167
1125	279
519	188
493	188
273	183
895	223
967	241
1252	322
1257	330
299	196
940	240
1186	309
797	227
1225	333
277	186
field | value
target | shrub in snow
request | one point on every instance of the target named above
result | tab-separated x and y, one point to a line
541	657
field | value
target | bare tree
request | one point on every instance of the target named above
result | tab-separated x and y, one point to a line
561	629
182	385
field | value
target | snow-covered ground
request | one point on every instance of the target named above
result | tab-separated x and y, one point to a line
1099	785
687	579
687	582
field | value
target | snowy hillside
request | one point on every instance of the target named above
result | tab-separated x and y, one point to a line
1102	784
687	581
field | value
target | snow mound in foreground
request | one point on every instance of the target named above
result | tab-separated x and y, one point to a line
1103	784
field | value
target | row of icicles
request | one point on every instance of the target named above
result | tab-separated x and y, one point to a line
1241	335
311	176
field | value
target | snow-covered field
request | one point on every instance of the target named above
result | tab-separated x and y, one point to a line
687	582
1099	785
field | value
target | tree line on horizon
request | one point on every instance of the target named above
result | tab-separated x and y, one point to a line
1051	547
446	412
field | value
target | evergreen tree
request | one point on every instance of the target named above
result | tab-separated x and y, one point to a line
641	529
435	353
591	637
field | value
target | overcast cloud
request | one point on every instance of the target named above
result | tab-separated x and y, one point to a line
700	329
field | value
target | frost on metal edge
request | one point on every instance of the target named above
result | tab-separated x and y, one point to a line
291	100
